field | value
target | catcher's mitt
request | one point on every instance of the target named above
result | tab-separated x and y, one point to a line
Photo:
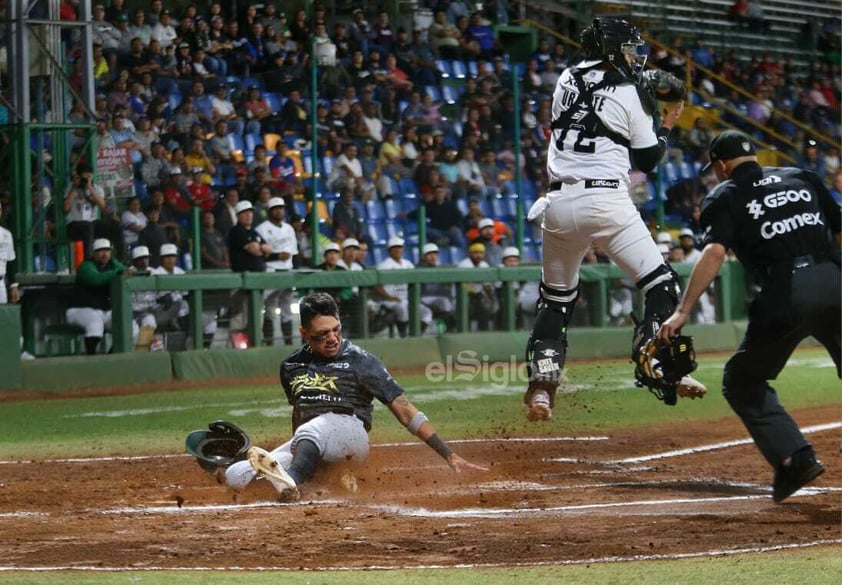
660	368
664	86
219	446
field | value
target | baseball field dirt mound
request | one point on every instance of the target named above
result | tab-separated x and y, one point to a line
679	489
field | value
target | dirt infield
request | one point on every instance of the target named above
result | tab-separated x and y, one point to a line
681	489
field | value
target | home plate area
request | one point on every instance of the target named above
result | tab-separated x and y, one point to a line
679	490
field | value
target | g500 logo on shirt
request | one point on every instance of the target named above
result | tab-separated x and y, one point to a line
309	382
778	199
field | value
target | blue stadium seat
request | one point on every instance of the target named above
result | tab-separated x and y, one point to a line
408	187
498	208
393	208
378	253
459	69
300	208
670	172
531	254
377	233
236	141
411	254
433	92
394	229
327	164
374	210
444	256
457	254
250	141
444	68
250	81
529	190
450	94
686	171
174	100
510	204
290	138
276	101
410	204
462	204
472	68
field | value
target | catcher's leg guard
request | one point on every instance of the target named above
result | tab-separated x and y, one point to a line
663	370
546	350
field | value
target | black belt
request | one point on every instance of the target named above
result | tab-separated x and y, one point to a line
591	184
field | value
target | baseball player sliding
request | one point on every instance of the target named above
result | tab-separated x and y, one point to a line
331	384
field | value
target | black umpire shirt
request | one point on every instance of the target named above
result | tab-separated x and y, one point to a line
242	261
771	217
345	384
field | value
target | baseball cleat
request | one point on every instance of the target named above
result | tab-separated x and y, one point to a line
689	387
539	406
266	466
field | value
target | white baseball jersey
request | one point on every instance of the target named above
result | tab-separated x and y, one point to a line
573	156
282	239
400	291
472	287
176	295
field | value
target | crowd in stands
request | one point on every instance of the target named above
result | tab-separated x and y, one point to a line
214	108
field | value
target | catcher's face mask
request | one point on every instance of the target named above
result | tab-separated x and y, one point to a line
634	54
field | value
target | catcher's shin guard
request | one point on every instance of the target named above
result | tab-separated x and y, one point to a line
546	350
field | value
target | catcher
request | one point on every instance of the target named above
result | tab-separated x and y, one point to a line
331	384
605	114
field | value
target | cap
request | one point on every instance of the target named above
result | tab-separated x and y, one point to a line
99	7
485	222
476	247
241	171
122	17
429	248
102	244
175	171
350	243
511	251
355	10
685	232
197	170
282	15
165	12
395	242
184	45
331	247
276	202
140	252
243	206
664	248
729	145
664	238
168	250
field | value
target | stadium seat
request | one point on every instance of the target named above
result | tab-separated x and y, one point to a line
457	254
393	208
444	68
472	68
270	141
459	69
327	164
300	208
174	100
374	210
378	253
275	100
462	205
250	141
433	92
669	172
498	208
408	188
531	253
444	256
686	171
450	94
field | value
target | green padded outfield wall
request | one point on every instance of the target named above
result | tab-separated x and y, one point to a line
10	331
100	371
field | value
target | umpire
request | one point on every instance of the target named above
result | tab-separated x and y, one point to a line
784	227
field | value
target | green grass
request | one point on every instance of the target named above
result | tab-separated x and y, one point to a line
599	396
815	566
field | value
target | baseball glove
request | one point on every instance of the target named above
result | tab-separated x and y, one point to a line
664	86
660	368
219	446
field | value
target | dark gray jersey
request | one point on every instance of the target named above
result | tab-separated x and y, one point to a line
347	383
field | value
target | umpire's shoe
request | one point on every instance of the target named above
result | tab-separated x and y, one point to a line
802	468
266	466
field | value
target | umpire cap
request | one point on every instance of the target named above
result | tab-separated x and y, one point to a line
729	145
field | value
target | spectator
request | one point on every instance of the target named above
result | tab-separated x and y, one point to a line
470	176
144	302
171	305
164	32
347	219
283	170
444	37
438	297
155	167
196	157
7	254
492	251
281	238
483	304
84	201
226	211
247	250
132	221
214	251
153	235
394	298
293	115
223	109
811	160
331	263
90	305
222	153
444	220
347	170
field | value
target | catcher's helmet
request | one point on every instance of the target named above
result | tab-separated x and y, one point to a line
611	39
219	446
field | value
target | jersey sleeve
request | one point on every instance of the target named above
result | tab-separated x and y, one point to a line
716	220
641	125
377	380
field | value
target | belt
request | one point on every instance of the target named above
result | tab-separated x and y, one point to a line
591	184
